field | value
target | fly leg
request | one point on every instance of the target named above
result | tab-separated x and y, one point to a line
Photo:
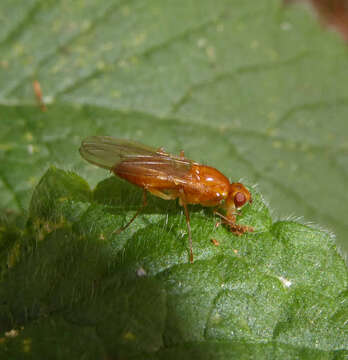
226	219
161	194
230	221
118	231
182	154
183	202
218	223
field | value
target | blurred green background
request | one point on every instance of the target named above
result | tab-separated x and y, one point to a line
254	88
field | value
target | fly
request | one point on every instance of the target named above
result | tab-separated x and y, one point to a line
169	177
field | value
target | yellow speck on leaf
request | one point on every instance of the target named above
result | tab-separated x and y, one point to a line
211	53
129	336
139	39
18	49
28	136
12	259
116	94
101	65
123	63
277	144
27	345
32	180
216	318
254	44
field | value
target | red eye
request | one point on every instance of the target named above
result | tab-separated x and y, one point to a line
239	199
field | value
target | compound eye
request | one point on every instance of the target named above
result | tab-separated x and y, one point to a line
239	199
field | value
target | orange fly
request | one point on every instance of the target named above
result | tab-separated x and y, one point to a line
169	177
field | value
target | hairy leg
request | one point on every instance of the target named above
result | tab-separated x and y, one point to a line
117	231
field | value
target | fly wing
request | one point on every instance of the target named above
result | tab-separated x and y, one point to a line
108	152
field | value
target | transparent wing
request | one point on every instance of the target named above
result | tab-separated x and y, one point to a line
108	152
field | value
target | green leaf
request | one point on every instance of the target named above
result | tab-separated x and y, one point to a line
257	90
135	294
58	188
247	87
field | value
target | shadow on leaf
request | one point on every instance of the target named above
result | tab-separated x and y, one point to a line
121	196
